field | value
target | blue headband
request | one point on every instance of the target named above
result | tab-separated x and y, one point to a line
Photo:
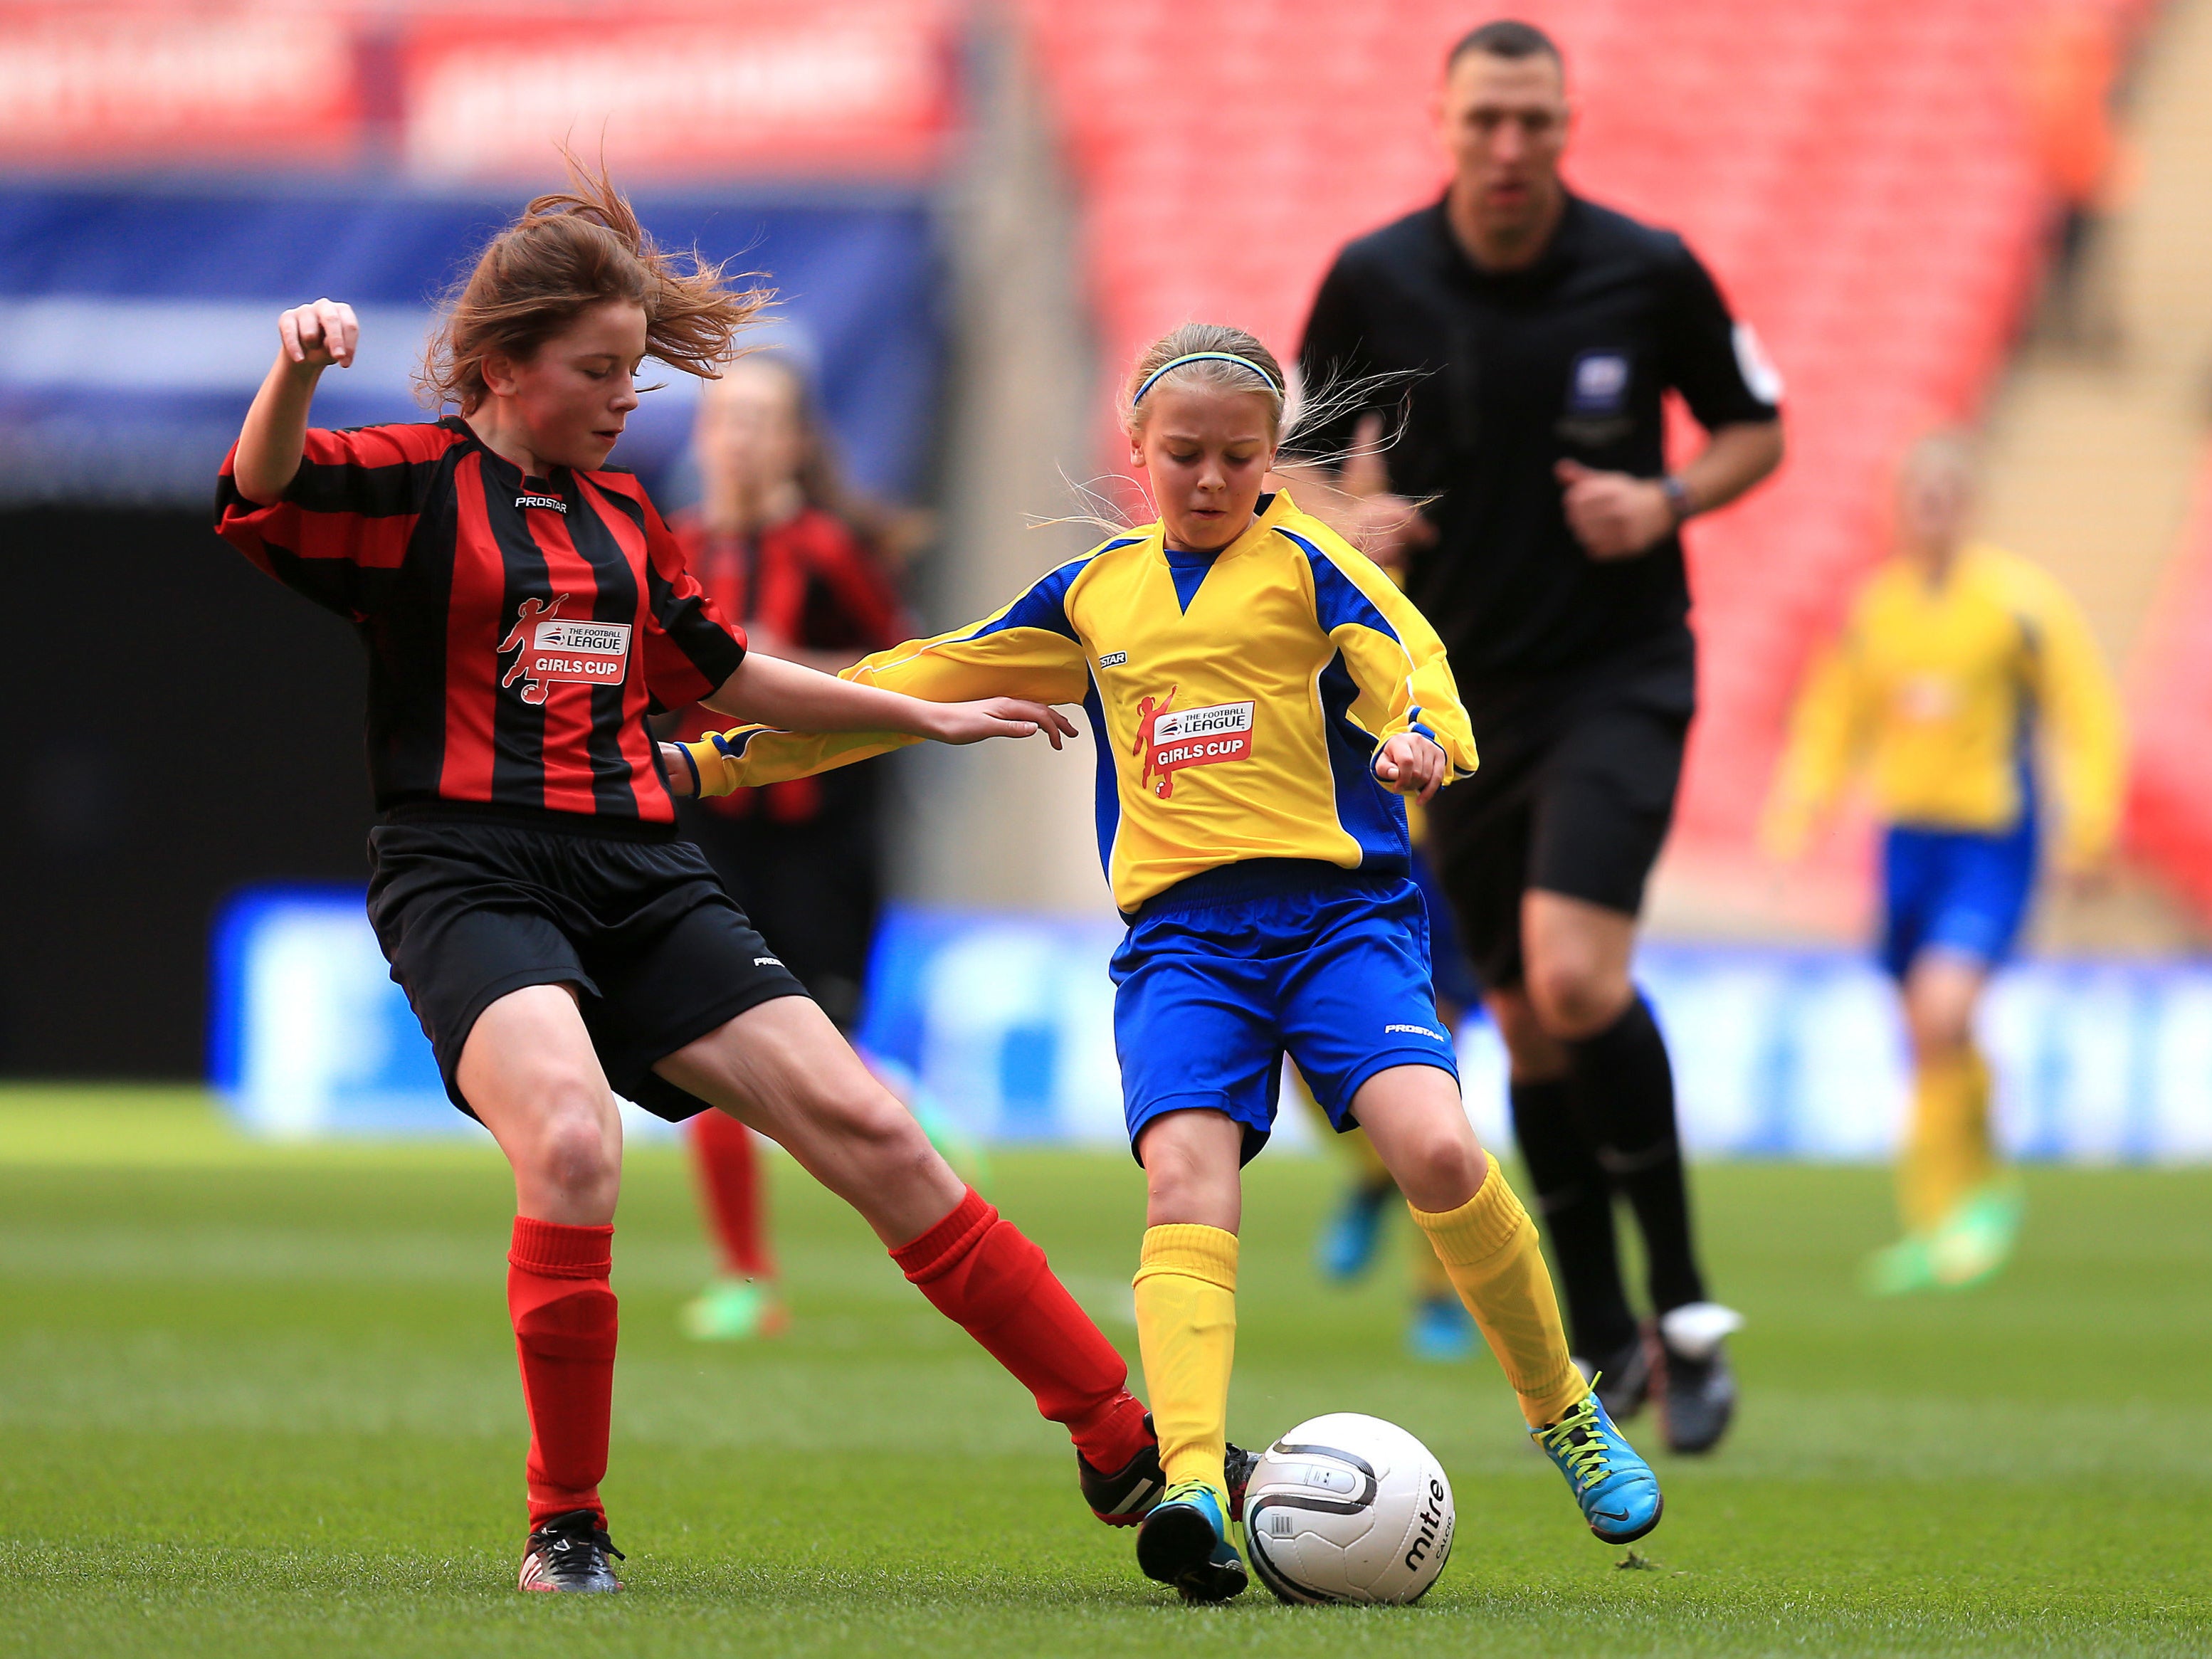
1205	357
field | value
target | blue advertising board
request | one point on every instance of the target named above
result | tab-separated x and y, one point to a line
1005	1023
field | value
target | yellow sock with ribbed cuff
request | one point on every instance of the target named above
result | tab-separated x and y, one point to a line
1489	1248
1186	1287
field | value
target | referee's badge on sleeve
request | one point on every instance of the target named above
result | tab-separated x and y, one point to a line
1757	368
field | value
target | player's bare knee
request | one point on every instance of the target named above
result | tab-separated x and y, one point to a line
1576	998
1442	1169
576	1151
874	1129
1535	1053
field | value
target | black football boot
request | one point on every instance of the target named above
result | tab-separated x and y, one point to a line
570	1553
1126	1496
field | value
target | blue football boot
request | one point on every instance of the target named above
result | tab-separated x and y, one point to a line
1442	1331
1184	1542
1618	1494
1346	1248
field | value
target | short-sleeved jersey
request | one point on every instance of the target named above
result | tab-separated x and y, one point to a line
1502	375
1236	698
518	629
1943	692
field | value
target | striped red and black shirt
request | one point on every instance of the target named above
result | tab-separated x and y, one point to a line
519	629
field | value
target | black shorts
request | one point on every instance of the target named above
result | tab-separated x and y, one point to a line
1574	793
470	908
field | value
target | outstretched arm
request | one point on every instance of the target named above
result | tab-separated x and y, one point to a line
770	691
941	688
311	338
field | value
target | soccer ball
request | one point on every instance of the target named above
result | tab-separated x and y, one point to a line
1347	1508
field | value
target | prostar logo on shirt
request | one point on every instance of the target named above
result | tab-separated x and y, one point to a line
1170	738
551	651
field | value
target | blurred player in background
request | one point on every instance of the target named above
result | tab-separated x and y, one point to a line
1530	504
1957	663
1439	1328
1262	695
774	545
524	608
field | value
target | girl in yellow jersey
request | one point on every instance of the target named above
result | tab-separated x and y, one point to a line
1262	697
1956	659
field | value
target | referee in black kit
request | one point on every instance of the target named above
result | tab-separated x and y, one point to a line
1531	336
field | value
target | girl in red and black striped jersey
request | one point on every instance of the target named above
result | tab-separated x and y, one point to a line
524	608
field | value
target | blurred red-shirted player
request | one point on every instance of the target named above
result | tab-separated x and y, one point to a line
525	609
776	546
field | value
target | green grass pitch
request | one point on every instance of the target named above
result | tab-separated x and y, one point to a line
261	1400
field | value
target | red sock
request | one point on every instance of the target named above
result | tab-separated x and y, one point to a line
564	1330
981	1274
732	1193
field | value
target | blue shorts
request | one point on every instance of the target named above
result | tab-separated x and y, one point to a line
1224	973
1954	889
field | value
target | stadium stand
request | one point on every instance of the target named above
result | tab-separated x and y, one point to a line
2170	792
1855	173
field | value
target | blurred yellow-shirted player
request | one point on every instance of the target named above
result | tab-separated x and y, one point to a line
1961	667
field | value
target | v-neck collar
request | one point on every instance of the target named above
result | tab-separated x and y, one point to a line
1189	568
528	483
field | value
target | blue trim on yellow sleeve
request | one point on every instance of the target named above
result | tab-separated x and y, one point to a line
1107	801
1337	600
1045	605
1369	813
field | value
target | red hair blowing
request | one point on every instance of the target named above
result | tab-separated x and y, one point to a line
571	251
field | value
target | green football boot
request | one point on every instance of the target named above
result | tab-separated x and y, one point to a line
1978	1237
735	1311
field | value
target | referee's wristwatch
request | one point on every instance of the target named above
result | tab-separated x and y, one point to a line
1677	498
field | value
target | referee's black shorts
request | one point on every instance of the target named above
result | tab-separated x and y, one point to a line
470	907
1574	793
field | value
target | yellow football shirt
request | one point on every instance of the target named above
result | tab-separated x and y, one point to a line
1940	692
1237	699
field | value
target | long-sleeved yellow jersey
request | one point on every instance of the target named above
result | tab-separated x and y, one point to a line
1942	693
1236	699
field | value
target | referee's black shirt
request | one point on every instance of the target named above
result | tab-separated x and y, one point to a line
1568	357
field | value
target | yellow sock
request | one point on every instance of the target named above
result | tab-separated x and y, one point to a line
1488	1246
1948	1152
1187	1331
